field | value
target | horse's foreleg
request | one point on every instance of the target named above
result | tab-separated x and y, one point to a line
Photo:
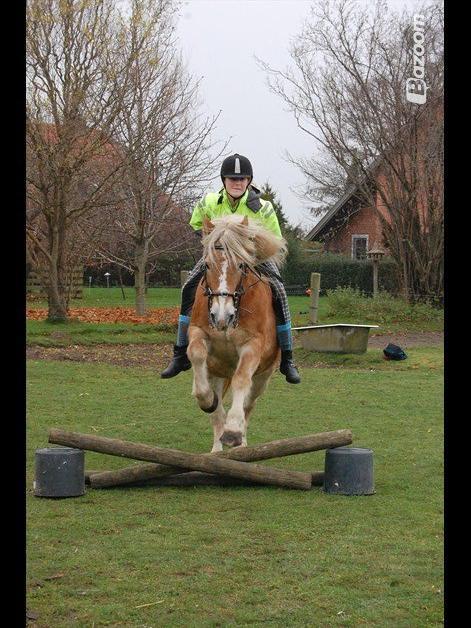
197	353
218	417
249	359
259	383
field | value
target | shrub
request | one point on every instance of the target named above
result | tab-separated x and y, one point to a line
340	271
352	303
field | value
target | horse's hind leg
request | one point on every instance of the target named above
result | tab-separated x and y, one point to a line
218	417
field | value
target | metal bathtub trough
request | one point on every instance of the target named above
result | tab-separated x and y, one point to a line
336	338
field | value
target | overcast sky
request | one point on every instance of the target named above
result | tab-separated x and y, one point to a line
219	39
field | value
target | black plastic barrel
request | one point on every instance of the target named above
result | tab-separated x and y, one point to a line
349	471
59	472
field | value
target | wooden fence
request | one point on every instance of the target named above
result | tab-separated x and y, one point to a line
36	281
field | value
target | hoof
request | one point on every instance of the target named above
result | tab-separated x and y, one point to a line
231	439
214	405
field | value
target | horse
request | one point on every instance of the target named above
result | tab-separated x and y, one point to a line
232	330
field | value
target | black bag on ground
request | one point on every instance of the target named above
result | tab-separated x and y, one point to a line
393	352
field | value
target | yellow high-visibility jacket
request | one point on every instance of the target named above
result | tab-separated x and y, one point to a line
216	204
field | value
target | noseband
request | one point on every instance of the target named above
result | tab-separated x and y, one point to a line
236	295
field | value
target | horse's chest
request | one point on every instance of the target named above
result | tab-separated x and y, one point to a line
222	353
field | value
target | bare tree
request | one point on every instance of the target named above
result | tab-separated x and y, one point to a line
346	89
167	144
76	83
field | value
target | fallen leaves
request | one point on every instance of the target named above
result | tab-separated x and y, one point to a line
156	316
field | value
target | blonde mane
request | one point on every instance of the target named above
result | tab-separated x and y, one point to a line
251	244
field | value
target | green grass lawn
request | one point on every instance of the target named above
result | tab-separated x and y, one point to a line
110	297
61	334
208	556
77	333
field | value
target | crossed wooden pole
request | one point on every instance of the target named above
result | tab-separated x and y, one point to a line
172	466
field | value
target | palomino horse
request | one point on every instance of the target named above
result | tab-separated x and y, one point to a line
232	332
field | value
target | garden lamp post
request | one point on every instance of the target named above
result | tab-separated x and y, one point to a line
107	275
375	255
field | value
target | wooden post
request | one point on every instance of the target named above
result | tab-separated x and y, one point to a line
264	451
375	277
315	288
195	462
375	255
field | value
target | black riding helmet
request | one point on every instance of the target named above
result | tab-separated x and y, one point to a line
236	166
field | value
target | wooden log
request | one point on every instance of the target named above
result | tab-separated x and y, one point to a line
174	457
196	478
88	473
189	478
264	451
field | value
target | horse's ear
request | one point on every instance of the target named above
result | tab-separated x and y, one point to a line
207	225
245	221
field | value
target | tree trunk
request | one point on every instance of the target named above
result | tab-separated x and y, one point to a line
57	309
57	305
140	279
56	288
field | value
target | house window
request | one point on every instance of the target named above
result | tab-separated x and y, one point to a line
359	246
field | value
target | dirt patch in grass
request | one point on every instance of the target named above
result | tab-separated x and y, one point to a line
150	356
157	357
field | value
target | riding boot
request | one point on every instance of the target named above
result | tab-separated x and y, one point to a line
288	368
179	363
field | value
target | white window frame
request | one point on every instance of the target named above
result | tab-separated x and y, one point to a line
357	236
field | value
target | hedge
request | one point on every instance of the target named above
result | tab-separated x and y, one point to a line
340	271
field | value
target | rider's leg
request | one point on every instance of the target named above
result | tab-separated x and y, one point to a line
180	361
283	321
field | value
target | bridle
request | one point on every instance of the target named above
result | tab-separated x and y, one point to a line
236	295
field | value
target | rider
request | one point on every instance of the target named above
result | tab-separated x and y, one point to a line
238	196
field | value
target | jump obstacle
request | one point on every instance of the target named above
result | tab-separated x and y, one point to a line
172	467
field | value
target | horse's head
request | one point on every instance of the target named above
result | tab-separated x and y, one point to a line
223	279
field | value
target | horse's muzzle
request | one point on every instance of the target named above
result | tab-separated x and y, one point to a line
224	323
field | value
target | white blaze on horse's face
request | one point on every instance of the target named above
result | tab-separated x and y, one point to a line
222	309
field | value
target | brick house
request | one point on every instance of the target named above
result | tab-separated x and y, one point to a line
350	227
